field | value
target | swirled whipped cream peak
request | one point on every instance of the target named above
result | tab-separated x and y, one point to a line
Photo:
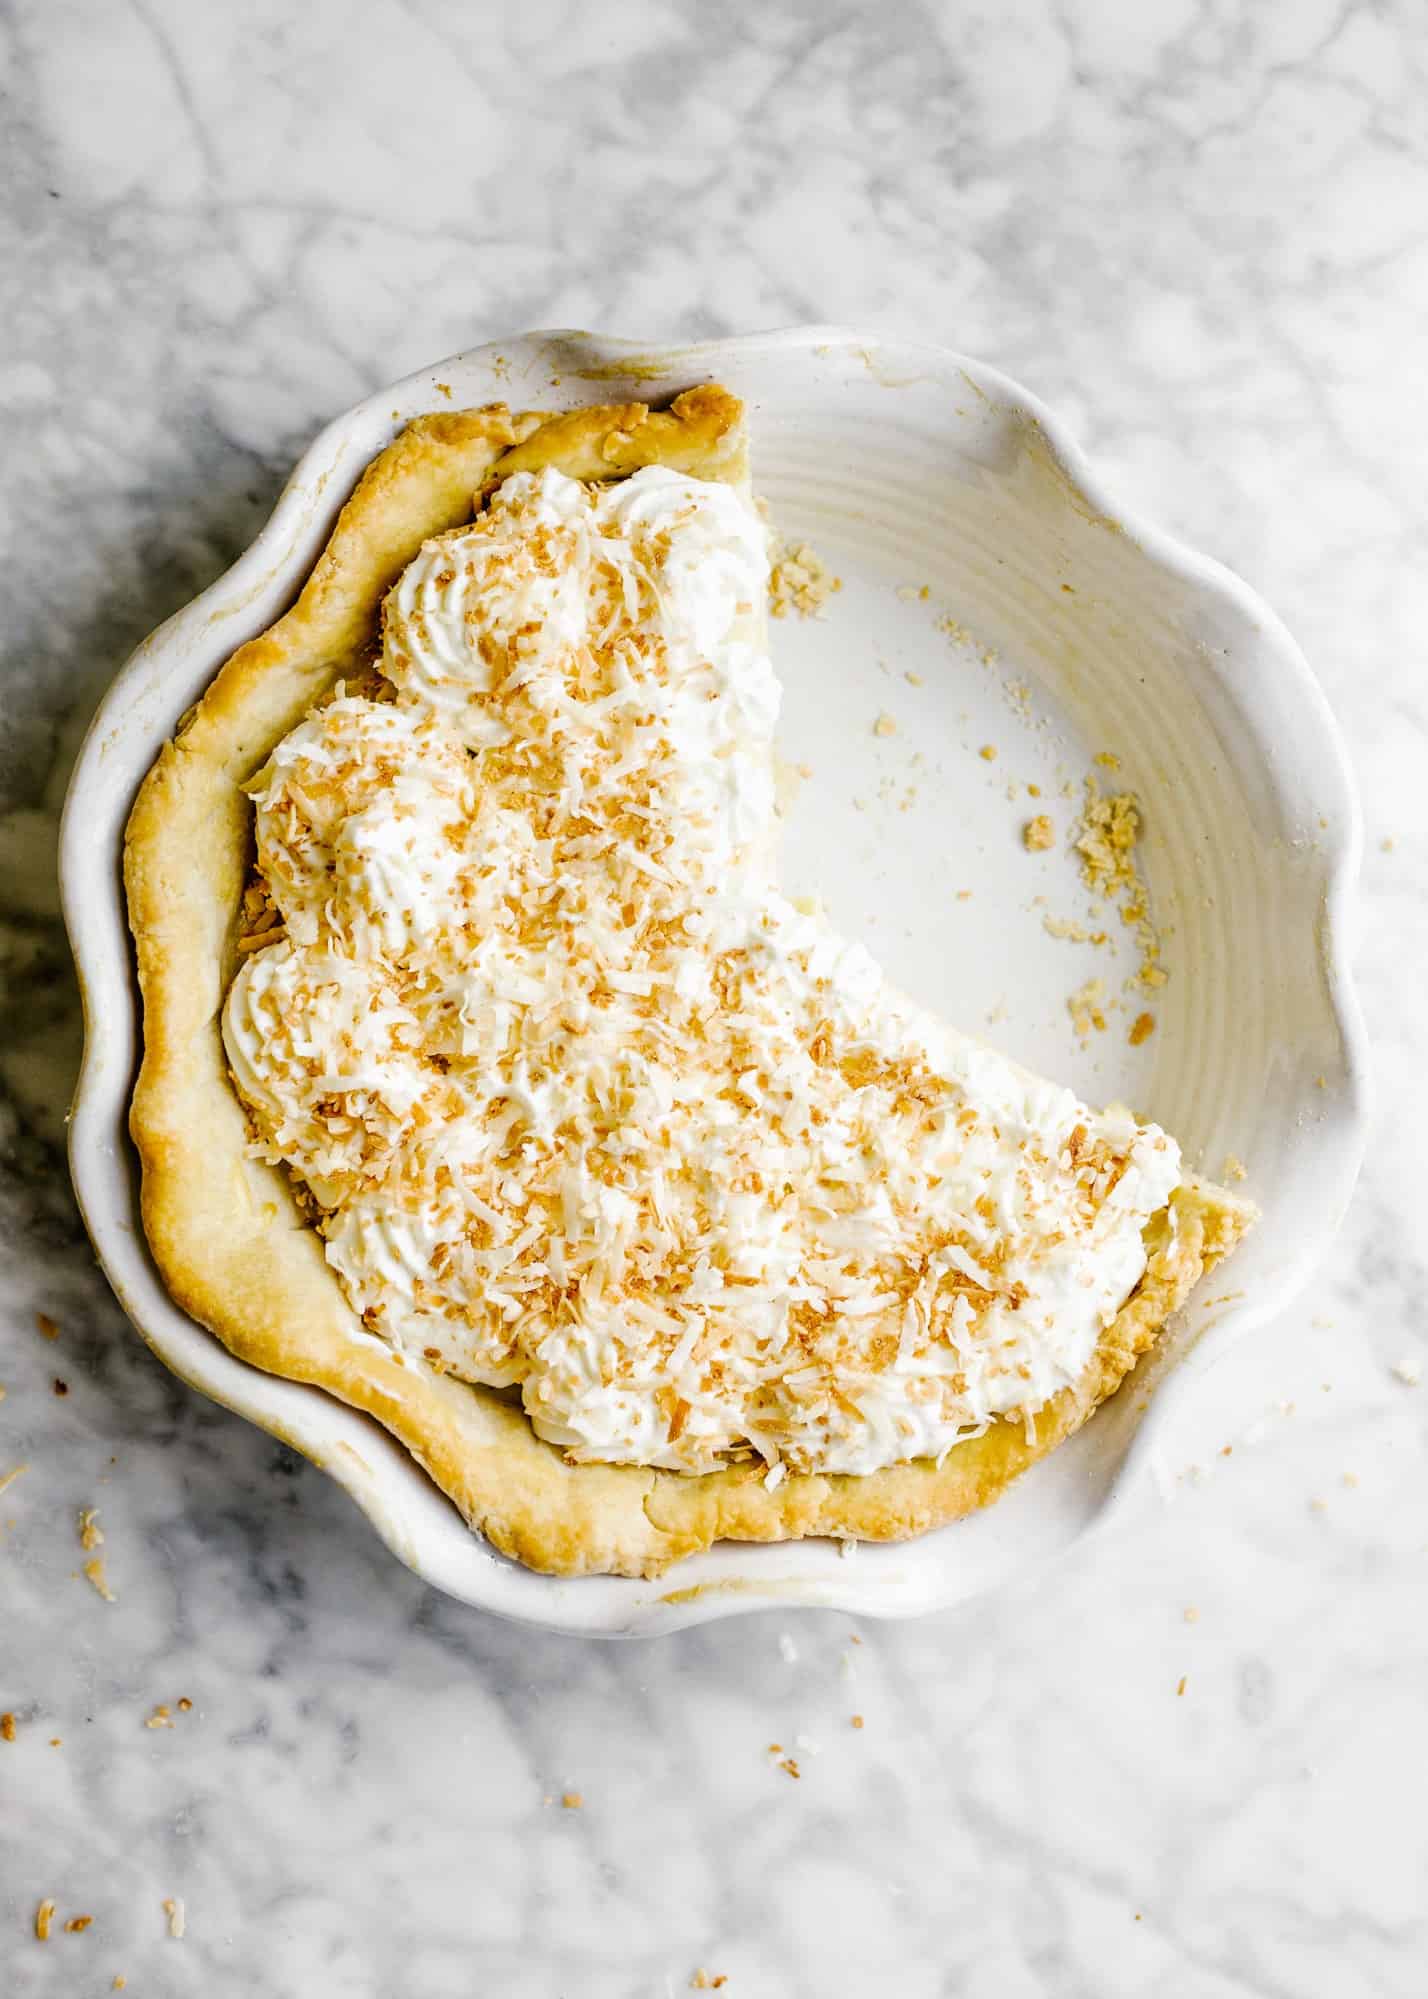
584	1104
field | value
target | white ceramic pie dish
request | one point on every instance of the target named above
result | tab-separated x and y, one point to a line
994	597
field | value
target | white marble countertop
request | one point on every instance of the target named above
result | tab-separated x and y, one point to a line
1191	1761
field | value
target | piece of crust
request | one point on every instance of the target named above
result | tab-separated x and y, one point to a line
227	1231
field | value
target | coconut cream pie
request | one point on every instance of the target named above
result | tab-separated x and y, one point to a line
490	1082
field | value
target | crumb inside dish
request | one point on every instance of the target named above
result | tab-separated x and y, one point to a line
533	1119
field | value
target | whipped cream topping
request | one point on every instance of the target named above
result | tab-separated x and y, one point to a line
585	1104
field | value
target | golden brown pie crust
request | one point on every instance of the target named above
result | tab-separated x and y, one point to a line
227	1231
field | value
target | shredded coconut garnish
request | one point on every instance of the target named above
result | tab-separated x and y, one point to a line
580	1102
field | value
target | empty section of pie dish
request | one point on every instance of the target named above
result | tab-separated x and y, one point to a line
950	504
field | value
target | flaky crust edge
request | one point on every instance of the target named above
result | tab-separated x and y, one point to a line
226	1231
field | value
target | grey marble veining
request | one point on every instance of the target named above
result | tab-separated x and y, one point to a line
1197	229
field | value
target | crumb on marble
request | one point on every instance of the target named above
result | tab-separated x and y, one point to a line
185	1704
1141	1029
94	1574
44	1916
1386	844
886	725
7	1727
8	1478
160	1718
1351	1478
988	753
120	1981
571	1801
856	1721
46	1326
1234	1168
1408	1370
173	1908
1192	1615
708	1981
91	1534
1181	1688
56	1742
790	1766
76	1925
1039	834
913	679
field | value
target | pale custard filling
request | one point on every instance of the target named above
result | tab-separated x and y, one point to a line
585	1104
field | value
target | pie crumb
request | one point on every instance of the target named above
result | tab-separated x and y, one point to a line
44	1916
913	679
1181	1688
988	753
1039	833
1106	841
91	1535
799	581
708	1981
76	1924
46	1325
1086	1007
9	1477
791	1767
1234	1167
120	1981
857	1721
1142	1027
885	725
572	1800
7	1727
160	1718
1409	1371
173	1909
1192	1615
